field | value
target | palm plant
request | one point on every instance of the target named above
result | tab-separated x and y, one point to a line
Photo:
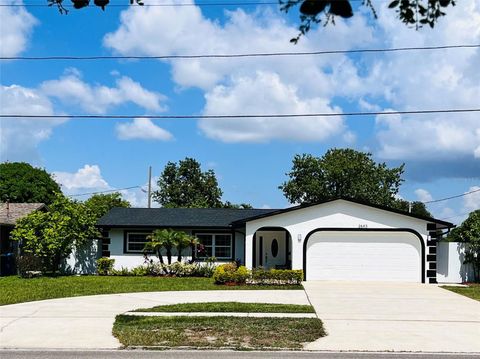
159	239
184	240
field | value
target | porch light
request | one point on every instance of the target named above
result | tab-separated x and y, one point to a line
299	237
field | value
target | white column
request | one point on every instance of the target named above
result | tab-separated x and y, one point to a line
297	251
248	251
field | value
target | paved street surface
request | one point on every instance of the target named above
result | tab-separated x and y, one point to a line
394	317
217	355
86	322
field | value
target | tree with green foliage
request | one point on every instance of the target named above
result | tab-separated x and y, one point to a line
162	239
229	204
350	174
185	185
52	235
418	208
469	232
341	173
101	203
20	182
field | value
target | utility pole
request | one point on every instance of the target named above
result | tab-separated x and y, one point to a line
149	193
409	207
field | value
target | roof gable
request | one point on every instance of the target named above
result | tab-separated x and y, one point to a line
384	208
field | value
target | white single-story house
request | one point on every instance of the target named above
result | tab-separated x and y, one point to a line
340	239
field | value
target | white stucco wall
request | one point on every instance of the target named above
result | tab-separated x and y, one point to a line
337	214
450	267
83	260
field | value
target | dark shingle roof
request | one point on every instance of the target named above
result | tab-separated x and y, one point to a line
177	217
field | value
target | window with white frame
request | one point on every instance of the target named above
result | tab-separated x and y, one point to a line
218	245
135	242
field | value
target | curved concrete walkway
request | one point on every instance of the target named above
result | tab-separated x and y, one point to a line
86	322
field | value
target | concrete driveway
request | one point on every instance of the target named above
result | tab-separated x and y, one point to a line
394	317
86	322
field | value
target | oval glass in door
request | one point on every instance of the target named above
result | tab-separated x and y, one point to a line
274	248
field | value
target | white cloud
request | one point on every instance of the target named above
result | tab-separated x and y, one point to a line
423	195
16	27
19	137
142	128
305	83
445	79
404	81
265	93
71	89
88	177
471	202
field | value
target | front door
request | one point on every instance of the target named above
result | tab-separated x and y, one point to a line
274	250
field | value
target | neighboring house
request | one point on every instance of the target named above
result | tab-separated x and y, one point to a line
334	240
10	213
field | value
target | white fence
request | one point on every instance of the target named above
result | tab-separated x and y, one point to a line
450	267
84	260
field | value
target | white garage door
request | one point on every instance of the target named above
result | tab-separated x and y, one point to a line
367	256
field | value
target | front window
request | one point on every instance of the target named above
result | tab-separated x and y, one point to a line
217	245
136	242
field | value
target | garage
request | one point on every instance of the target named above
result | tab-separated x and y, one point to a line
364	255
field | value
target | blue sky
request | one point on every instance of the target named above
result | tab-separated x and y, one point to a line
250	157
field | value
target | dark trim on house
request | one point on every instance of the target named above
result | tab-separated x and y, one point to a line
337	229
228	231
260	251
306	205
125	244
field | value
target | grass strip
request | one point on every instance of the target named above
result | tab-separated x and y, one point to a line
217	332
230	307
17	290
472	291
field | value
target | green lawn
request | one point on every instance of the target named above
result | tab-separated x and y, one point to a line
217	332
472	291
231	307
18	290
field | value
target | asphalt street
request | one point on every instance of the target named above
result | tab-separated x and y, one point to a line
137	354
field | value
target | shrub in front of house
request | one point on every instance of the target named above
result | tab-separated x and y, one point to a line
29	265
105	266
230	273
262	276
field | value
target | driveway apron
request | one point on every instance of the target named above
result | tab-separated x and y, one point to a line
413	317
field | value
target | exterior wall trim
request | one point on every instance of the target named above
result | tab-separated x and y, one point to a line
342	229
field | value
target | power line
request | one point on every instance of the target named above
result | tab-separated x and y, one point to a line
222	56
290	115
107	191
452	197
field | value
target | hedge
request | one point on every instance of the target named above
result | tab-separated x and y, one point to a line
261	276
